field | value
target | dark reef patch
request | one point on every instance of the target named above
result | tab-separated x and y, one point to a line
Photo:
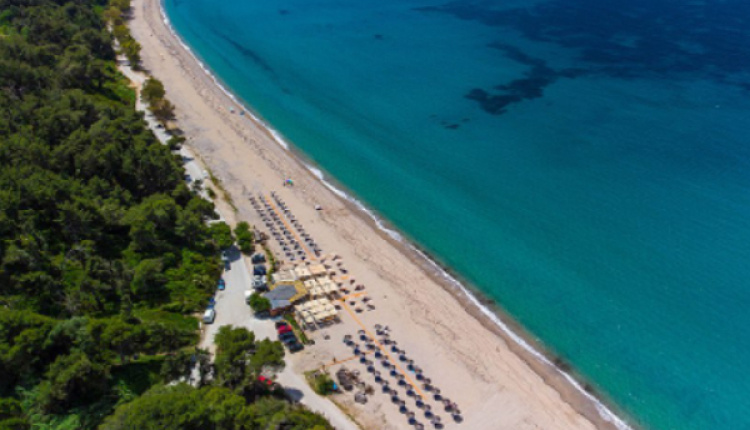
248	53
639	39
530	86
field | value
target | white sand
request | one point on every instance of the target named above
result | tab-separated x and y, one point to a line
496	384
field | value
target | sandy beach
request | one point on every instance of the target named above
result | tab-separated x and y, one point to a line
496	383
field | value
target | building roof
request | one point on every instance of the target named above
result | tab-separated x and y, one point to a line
318	270
284	276
284	294
302	272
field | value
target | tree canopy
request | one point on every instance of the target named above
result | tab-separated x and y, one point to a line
105	253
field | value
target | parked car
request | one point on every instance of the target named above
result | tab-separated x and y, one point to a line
222	284
259	282
211	303
225	259
295	347
284	329
258	258
288	338
209	316
259	270
281	323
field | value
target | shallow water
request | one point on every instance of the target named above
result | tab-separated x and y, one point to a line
586	165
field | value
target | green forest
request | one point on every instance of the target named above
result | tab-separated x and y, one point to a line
105	253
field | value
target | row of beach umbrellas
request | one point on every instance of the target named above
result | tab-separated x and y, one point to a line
391	370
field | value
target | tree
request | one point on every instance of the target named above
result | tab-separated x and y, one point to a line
132	51
234	348
268	354
163	110
323	384
152	90
221	234
72	380
259	304
244	237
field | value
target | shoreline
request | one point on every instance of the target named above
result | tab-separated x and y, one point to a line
572	389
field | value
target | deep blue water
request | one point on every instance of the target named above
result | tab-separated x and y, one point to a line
584	163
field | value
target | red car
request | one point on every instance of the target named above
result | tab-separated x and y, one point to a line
284	329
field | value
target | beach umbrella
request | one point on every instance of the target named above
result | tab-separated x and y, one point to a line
394	349
428	414
410	392
412	421
419	377
401	382
386	388
378	379
402	357
420	404
395	399
357	351
385	363
370	369
458	418
403	409
378	354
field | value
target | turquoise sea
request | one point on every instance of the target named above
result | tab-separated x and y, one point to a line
585	164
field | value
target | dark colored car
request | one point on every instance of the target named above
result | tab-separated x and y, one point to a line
259	270
281	324
222	285
288	337
259	258
295	347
